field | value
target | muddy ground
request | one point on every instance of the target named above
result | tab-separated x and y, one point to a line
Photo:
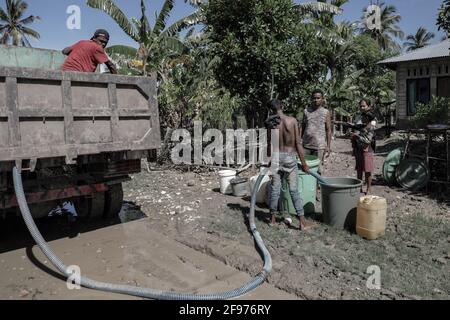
322	263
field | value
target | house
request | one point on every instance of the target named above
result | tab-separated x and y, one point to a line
421	74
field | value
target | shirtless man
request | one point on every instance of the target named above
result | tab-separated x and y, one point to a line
290	146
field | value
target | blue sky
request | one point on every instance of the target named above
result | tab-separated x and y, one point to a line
55	34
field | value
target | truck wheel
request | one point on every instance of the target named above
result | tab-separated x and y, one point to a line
97	206
113	200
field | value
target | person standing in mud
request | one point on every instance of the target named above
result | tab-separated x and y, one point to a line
316	130
286	161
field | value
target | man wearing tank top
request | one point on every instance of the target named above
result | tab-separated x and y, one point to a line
316	129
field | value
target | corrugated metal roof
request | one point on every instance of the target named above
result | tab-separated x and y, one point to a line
433	51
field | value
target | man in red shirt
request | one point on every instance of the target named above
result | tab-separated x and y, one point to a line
86	55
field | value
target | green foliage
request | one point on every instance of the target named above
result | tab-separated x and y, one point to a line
434	112
326	19
443	20
264	51
156	45
354	72
376	81
341	86
192	93
253	51
122	50
126	60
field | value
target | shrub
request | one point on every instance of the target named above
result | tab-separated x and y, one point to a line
434	112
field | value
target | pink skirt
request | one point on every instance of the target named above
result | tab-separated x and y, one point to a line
364	161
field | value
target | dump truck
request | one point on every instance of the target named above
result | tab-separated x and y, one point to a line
74	136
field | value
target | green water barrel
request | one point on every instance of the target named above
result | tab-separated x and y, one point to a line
307	188
390	165
340	197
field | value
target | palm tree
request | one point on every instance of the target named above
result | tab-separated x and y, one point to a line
389	30
156	44
419	40
326	18
13	24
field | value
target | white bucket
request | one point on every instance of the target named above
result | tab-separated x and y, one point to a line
225	181
261	195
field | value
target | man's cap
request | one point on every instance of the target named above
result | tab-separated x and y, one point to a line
101	33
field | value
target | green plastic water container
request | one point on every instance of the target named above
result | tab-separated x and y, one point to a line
307	188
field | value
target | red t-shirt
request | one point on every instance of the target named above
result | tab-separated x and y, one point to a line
85	56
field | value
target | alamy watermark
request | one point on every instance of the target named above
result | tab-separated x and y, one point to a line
373	17
232	147
74	280
374	280
73	22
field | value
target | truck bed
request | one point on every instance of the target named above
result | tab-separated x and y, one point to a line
48	114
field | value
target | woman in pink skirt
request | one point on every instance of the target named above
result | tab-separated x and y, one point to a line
364	153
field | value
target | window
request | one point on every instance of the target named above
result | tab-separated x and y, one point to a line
443	87
418	90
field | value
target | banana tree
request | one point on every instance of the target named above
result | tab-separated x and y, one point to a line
328	10
342	94
341	49
156	44
126	59
315	15
308	8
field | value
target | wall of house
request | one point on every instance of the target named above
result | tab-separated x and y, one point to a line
432	68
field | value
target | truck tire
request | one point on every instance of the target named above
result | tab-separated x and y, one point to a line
97	206
113	200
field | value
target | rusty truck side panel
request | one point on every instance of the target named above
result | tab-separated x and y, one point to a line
49	114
